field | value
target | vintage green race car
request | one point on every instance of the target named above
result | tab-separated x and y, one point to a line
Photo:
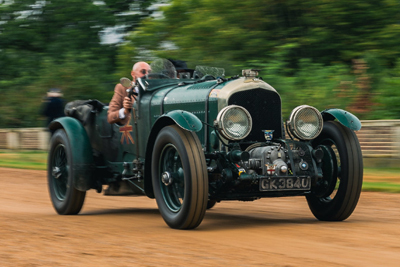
200	138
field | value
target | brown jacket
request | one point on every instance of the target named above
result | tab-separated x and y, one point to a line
116	104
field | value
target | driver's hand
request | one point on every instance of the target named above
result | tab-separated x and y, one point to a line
127	104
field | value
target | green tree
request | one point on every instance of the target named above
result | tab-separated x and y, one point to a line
33	29
46	44
129	13
387	95
322	30
306	49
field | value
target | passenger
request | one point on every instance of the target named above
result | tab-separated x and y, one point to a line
182	71
53	106
121	104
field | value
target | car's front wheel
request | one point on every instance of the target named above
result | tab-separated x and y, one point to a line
336	195
179	177
211	204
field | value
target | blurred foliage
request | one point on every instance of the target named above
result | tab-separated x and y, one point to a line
313	84
387	94
324	53
322	30
129	13
46	44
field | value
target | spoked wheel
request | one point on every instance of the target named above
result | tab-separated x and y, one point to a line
335	197
179	177
65	198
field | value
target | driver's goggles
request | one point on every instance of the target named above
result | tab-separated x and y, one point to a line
144	72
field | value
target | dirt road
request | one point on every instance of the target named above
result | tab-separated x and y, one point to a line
129	231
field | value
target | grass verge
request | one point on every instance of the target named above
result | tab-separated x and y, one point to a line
25	159
381	187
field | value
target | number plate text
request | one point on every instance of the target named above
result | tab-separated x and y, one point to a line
286	183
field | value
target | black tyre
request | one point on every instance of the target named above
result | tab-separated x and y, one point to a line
60	172
335	197
179	176
211	204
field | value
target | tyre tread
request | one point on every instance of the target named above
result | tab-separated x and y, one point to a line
199	180
344	203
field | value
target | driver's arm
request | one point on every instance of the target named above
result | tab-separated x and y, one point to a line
117	104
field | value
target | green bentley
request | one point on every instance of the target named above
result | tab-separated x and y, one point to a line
198	138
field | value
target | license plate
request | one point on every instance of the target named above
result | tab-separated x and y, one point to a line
285	183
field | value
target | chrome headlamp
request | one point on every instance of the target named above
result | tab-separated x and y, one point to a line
234	122
305	122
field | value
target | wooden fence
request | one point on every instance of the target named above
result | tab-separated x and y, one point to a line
378	139
25	138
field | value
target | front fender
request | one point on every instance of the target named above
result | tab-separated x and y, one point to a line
185	120
344	117
83	163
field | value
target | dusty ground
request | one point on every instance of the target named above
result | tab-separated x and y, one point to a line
129	231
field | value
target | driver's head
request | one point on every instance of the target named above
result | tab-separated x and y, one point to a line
140	69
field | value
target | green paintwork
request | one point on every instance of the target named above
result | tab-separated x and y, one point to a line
214	141
186	103
190	97
185	120
172	96
83	164
343	116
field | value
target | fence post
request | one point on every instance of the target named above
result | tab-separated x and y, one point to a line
397	139
13	140
44	138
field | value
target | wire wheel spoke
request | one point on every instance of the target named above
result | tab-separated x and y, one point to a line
328	187
60	171
336	179
174	192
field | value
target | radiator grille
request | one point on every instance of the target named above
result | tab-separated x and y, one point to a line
265	110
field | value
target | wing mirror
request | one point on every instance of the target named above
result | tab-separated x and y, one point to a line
128	83
125	82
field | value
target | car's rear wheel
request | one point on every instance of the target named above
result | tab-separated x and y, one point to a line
65	198
179	177
335	197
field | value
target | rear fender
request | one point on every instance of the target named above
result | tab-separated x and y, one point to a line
343	116
83	163
183	119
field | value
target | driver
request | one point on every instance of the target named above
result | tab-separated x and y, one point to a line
120	104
